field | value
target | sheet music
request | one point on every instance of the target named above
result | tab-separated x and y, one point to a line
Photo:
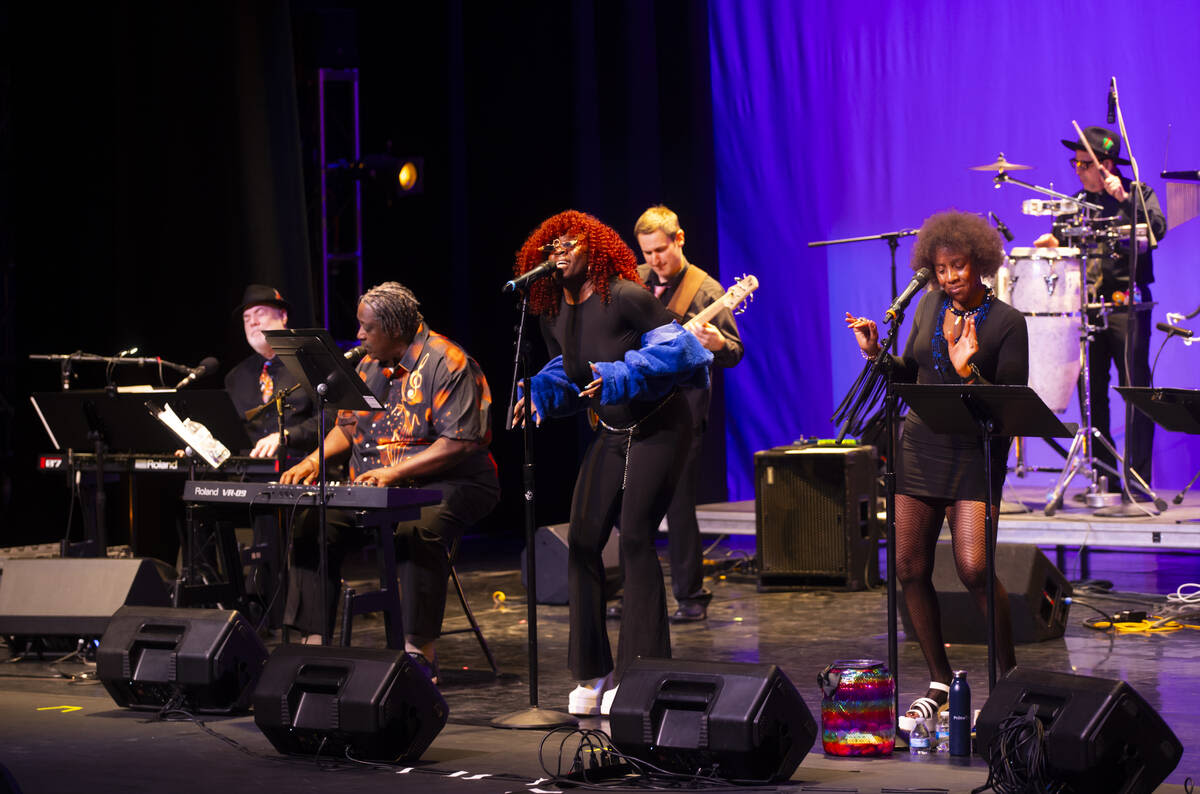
194	435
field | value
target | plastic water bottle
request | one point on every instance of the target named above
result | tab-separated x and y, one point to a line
918	739
960	714
943	732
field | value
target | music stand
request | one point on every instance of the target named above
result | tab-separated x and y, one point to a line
987	411
1171	409
330	379
112	421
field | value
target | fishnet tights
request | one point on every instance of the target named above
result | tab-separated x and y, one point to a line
918	522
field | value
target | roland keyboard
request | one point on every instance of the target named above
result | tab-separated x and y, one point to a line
337	495
235	466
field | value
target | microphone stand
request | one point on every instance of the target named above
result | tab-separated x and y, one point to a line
277	402
534	717
67	359
1133	318
893	241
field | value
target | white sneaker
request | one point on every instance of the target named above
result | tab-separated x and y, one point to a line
607	701
584	700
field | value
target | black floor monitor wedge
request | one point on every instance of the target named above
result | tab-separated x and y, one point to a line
196	660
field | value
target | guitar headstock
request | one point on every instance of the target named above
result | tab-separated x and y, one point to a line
741	290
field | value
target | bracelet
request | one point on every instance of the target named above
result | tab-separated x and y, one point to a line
975	374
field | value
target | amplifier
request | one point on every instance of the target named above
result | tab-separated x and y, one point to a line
815	520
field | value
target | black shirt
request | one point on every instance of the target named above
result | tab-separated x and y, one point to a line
300	421
599	331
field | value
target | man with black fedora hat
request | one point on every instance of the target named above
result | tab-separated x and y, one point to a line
1108	275
258	378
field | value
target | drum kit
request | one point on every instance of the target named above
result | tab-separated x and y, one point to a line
1059	292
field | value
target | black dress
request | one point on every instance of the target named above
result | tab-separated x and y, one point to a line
936	466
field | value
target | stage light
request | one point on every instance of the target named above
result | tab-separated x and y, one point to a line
407	174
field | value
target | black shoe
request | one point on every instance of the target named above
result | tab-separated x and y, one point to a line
614	610
690	612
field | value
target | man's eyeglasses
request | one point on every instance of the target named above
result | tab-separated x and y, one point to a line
1082	165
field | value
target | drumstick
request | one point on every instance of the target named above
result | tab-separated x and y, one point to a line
1088	146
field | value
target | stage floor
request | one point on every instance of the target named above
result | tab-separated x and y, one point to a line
94	746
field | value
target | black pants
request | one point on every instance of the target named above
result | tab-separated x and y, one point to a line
683	530
1108	348
421	558
654	456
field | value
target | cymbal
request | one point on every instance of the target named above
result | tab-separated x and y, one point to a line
1001	165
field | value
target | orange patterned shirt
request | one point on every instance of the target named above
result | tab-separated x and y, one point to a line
436	391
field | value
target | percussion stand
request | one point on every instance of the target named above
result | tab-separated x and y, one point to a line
1080	455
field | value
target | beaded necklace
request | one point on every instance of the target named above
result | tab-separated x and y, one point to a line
941	347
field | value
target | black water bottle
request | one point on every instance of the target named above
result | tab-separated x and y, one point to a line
960	714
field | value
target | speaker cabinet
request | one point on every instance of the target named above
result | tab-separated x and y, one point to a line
550	557
374	703
74	597
1100	735
1037	593
734	721
815	517
206	660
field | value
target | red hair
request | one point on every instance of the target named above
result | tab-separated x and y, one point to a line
608	257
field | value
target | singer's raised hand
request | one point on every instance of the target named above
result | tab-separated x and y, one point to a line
866	333
964	348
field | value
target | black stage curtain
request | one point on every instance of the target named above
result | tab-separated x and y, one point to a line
165	157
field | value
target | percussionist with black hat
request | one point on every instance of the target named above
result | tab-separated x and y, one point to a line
1108	251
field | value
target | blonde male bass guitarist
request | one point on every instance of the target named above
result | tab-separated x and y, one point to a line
696	299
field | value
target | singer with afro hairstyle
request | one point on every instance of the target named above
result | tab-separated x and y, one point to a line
616	352
961	333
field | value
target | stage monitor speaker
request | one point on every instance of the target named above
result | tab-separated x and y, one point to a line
203	660
1100	735
74	596
374	704
739	722
815	517
1037	593
550	557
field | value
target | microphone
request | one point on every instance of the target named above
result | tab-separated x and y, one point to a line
1008	235
1173	330
918	280
1112	100
355	354
207	365
524	280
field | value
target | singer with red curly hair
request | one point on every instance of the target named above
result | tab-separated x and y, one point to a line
616	352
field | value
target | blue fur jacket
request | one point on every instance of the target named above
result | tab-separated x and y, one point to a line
669	357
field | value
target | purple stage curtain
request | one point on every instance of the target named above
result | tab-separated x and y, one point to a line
836	119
